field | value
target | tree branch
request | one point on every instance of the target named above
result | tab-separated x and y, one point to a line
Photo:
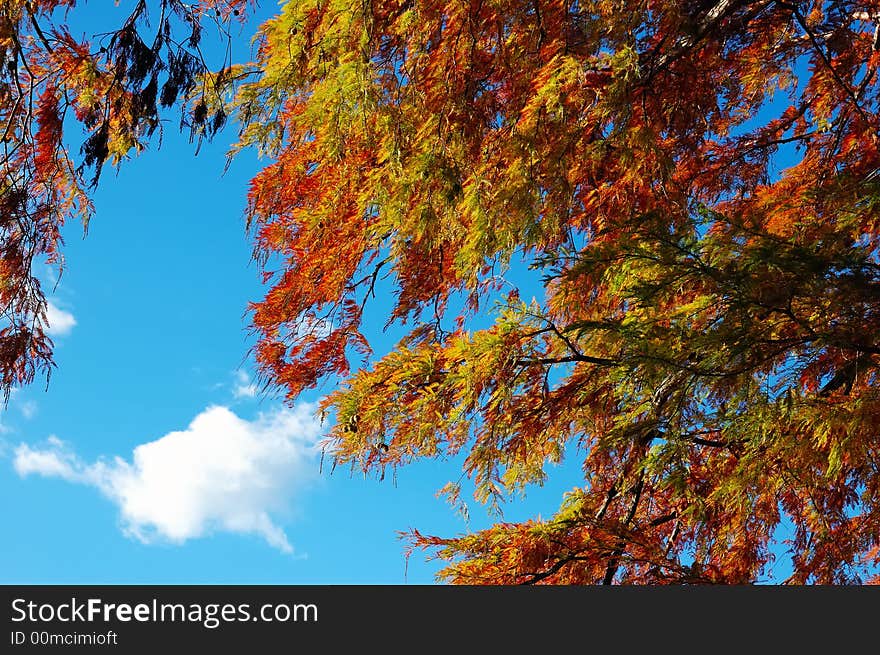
37	29
614	562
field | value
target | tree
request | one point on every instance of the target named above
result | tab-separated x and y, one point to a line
114	90
695	181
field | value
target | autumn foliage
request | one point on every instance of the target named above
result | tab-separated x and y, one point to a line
695	183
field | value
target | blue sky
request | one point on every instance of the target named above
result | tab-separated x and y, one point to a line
149	458
151	333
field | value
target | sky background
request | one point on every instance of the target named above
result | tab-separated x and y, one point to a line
151	457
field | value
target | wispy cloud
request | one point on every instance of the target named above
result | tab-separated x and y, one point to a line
58	321
28	408
243	387
221	473
51	461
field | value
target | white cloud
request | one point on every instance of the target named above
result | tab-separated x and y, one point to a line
54	461
58	321
222	473
244	388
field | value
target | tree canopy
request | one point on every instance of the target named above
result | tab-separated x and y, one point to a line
696	182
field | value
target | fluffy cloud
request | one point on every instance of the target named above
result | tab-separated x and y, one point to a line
58	321
220	473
